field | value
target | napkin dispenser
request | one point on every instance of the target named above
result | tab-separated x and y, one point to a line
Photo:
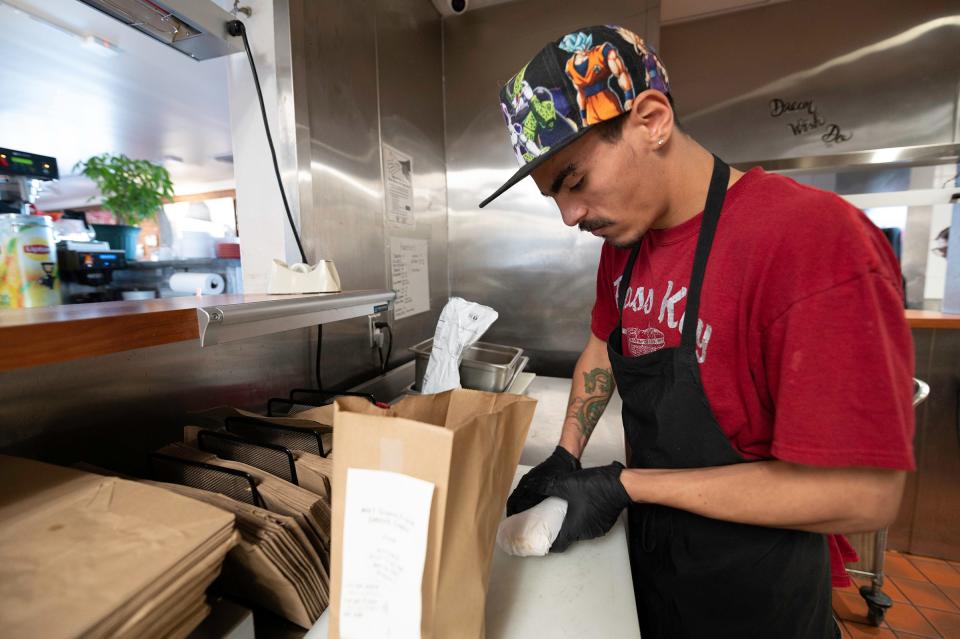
289	279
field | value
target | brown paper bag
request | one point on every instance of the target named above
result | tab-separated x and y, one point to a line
467	443
93	556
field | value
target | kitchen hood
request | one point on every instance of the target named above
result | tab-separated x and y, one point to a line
819	84
196	28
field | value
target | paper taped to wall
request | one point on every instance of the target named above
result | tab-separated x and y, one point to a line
410	275
398	184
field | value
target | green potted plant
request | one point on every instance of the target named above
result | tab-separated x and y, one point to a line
133	190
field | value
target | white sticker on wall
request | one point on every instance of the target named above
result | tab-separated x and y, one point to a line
398	183
385	526
410	276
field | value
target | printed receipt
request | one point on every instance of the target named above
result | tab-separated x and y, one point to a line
385	526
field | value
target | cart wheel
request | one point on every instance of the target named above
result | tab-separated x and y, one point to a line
875	615
877	604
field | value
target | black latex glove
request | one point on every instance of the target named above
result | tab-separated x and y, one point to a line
524	496
595	498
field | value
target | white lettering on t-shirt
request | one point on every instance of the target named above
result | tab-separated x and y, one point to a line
669	301
639	300
643	341
703	338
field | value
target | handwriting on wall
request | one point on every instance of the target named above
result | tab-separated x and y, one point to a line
803	117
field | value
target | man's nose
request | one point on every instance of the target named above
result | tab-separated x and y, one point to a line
571	213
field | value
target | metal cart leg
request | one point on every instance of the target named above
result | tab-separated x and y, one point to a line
877	600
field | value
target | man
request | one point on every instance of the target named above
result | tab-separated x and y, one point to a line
762	355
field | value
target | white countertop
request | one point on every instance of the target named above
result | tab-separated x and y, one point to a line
551	393
586	591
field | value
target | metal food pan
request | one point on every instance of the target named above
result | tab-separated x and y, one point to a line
485	366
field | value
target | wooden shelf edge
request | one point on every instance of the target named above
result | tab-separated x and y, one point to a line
53	342
47	335
932	319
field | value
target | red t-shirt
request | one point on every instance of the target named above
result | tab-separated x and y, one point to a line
805	353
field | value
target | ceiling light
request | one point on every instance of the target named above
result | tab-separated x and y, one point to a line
100	46
197	28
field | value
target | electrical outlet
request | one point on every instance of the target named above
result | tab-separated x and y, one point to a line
376	334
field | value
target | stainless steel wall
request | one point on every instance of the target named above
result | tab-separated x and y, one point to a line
112	410
884	71
516	255
363	74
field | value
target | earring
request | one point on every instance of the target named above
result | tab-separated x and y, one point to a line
660	141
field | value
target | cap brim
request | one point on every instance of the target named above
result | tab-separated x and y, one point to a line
527	168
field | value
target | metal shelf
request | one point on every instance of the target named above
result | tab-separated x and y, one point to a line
230	322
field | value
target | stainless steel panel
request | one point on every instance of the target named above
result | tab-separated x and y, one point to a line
410	68
339	43
887	73
362	73
112	410
936	522
392	386
919	155
901	531
515	255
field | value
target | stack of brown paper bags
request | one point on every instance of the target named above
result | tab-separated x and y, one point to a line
273	565
309	510
86	555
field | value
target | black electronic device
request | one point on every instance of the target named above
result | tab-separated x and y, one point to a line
28	165
88	263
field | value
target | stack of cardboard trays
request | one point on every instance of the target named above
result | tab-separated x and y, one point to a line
93	556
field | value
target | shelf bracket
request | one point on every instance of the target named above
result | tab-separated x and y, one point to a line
231	322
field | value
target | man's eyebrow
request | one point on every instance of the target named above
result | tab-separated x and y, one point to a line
561	176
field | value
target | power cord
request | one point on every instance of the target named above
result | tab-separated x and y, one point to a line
237	28
384	361
319	351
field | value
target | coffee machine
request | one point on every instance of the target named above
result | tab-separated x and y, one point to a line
21	175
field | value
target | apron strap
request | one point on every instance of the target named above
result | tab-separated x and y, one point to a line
708	229
625	280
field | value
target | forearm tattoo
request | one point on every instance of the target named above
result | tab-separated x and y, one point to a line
587	410
598	379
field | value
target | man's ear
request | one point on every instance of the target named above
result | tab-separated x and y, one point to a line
652	114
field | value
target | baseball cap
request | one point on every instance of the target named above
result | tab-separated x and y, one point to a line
587	76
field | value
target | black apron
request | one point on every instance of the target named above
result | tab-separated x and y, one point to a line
695	577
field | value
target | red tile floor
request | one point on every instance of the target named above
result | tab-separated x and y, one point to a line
926	600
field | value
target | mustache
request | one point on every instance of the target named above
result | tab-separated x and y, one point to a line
593	225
